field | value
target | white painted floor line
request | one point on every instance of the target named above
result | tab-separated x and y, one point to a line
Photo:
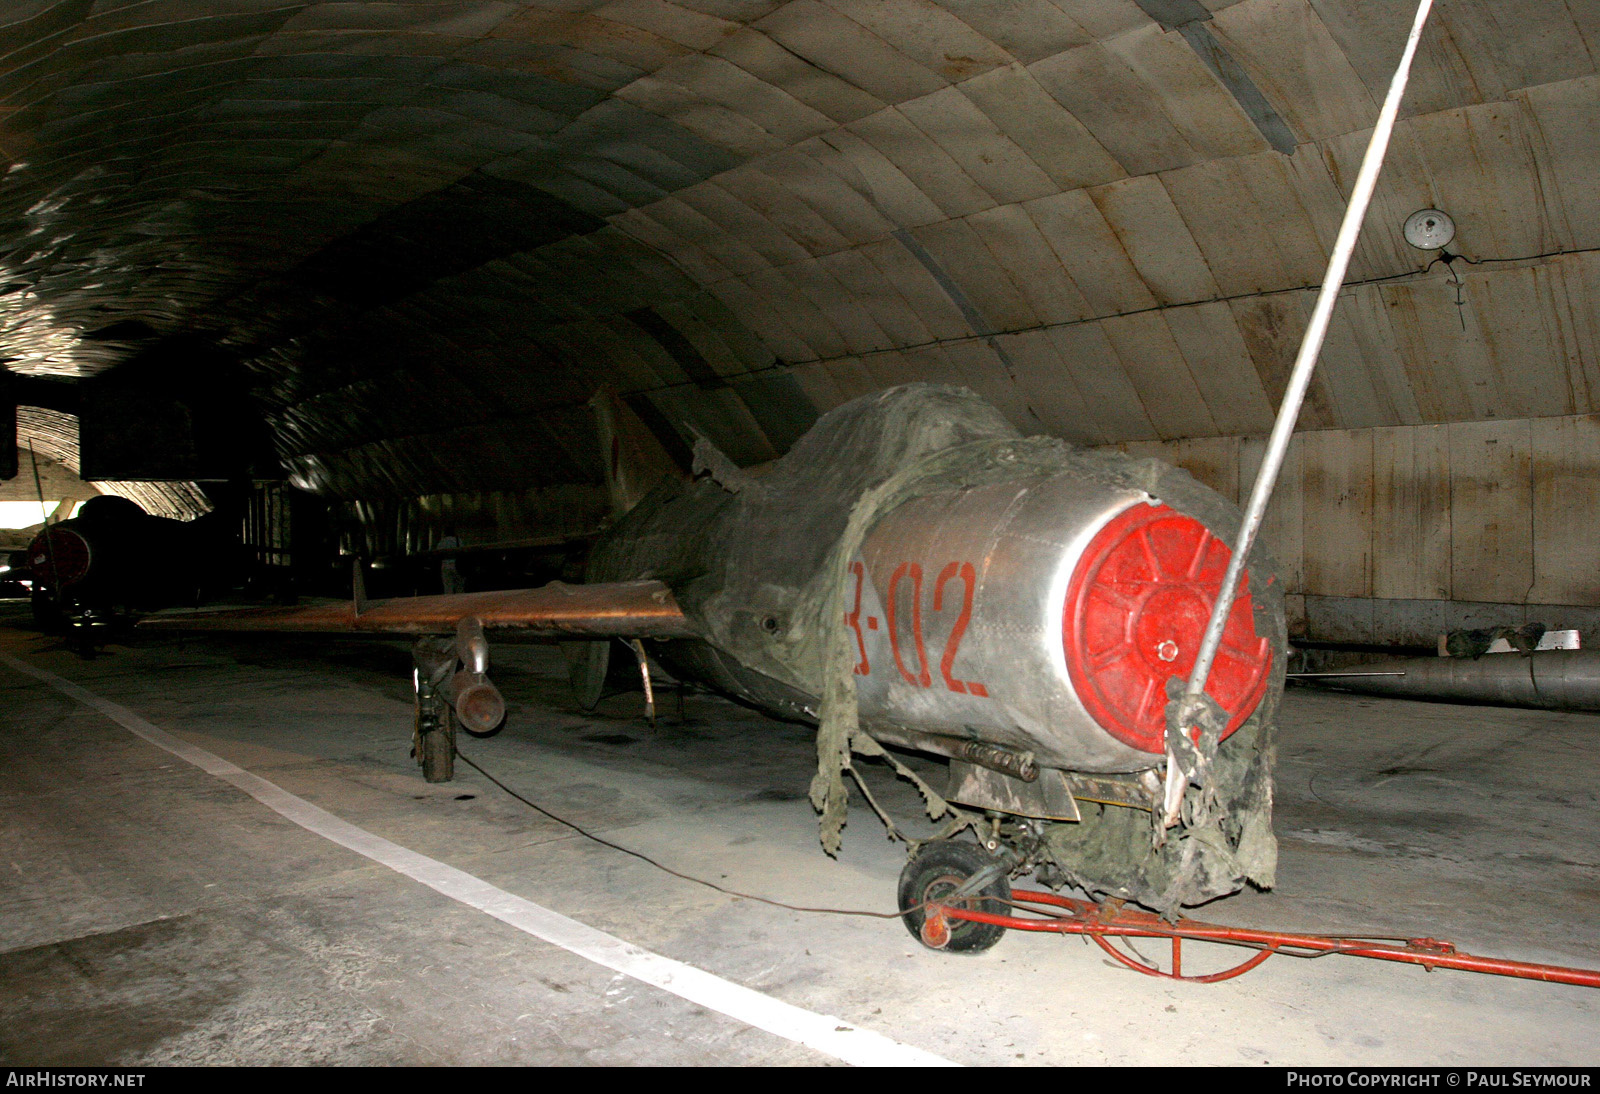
821	1032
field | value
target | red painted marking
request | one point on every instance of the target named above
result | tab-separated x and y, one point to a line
969	580
853	620
923	676
911	569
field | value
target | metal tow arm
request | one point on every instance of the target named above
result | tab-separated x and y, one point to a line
1054	914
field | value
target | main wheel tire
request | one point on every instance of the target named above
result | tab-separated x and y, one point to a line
588	664
438	743
938	869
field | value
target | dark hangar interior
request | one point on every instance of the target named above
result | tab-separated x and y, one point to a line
372	319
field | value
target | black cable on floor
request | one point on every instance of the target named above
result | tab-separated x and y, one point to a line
602	841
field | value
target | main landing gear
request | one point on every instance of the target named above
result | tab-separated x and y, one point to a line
433	742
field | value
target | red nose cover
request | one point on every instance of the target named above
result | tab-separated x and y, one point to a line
1135	614
63	559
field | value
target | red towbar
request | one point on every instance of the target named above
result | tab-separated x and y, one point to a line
1063	915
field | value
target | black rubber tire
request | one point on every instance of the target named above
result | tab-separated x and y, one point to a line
438	757
82	639
46	612
938	868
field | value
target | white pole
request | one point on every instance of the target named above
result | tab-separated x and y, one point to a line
1289	410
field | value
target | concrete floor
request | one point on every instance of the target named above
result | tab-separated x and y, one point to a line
150	913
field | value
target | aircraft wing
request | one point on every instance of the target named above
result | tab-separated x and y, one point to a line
622	609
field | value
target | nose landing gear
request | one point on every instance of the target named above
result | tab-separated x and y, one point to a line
948	885
955	874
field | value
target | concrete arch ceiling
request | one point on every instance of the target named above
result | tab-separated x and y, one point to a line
432	229
54	436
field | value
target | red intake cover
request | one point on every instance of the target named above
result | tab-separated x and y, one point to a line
64	560
1135	613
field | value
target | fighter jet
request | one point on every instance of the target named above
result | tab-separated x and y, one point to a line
112	556
916	575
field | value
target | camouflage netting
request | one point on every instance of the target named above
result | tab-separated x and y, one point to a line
759	563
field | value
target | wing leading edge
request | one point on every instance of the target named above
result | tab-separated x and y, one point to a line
621	609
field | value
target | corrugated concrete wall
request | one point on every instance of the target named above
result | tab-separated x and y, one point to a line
56	481
1396	533
387	528
54	435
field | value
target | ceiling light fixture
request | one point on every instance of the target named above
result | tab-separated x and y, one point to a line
1429	229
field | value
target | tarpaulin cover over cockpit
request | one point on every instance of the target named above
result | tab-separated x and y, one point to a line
758	564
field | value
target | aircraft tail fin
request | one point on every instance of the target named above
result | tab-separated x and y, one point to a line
635	461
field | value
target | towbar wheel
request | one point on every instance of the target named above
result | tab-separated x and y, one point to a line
938	869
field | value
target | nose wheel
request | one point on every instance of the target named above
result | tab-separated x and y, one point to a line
938	873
